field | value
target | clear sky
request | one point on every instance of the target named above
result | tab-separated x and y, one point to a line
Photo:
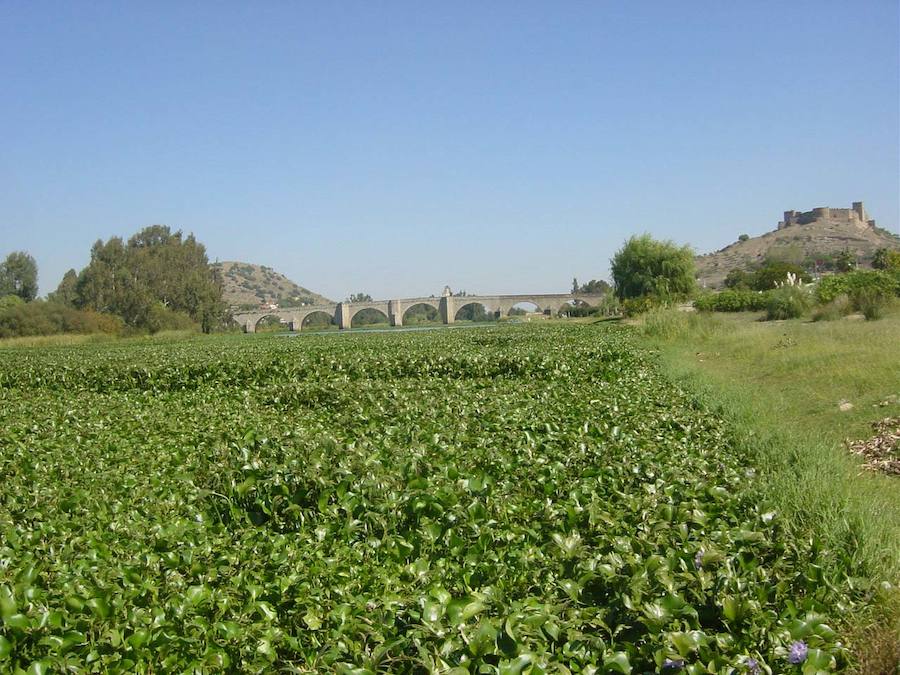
394	147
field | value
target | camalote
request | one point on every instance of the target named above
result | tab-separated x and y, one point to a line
476	500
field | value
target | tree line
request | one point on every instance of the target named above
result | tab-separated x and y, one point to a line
156	280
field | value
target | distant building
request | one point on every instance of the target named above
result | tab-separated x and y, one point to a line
856	215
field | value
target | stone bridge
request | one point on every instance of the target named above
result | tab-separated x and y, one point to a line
447	307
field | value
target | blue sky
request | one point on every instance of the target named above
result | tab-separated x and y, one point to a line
394	147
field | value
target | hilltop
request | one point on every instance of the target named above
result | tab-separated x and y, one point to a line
248	285
815	236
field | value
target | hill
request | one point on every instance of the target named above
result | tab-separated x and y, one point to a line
248	285
815	237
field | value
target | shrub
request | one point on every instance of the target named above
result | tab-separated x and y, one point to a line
788	302
879	281
664	322
836	309
160	318
775	272
50	318
871	301
7	301
732	301
637	306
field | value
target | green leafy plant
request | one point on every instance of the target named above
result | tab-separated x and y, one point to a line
787	302
499	500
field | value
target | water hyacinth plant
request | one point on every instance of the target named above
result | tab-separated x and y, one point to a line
502	500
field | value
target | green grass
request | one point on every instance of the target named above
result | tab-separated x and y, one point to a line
781	383
71	340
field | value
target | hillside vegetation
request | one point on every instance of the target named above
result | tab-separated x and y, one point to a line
815	243
246	285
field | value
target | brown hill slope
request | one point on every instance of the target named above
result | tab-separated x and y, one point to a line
247	285
816	235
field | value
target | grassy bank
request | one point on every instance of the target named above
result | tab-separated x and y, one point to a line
783	384
69	339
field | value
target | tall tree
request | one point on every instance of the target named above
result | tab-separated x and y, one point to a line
646	267
594	286
67	291
19	276
156	272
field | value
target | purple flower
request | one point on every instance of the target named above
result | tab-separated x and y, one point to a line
797	653
673	664
752	666
698	559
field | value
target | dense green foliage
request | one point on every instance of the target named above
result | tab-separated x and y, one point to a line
737	300
496	500
154	281
766	277
19	276
646	267
886	259
595	286
788	302
51	318
876	281
67	291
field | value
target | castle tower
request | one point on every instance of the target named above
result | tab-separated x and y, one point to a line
860	211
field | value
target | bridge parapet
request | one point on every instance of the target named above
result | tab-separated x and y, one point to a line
447	306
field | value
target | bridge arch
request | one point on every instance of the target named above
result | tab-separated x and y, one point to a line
573	306
260	318
473	310
414	313
527	305
317	318
359	316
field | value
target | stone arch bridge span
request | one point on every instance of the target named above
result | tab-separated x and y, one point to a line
447	306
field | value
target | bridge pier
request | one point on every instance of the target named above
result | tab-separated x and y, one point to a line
295	325
342	315
447	309
395	312
250	326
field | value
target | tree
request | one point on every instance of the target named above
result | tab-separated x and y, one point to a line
886	259
744	237
153	281
575	285
67	291
646	267
845	261
594	287
738	278
775	271
359	297
19	276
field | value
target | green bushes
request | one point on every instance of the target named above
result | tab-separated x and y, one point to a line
788	302
884	283
732	301
867	291
834	310
632	307
872	302
50	318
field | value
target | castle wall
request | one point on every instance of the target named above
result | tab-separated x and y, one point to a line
856	213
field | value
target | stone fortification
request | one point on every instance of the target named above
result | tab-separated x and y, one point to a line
856	216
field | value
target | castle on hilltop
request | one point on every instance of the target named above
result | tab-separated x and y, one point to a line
856	216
